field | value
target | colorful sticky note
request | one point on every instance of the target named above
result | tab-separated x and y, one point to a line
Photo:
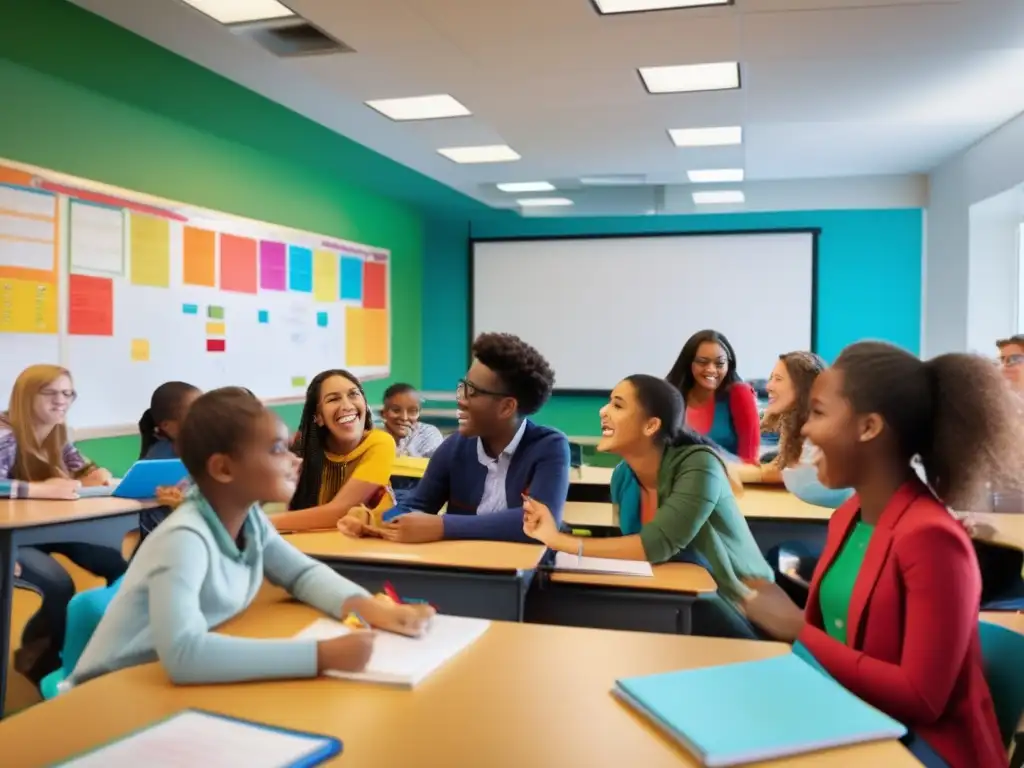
321	319
90	305
366	337
351	278
300	269
237	264
190	309
375	285
140	350
264	316
150	240
298	381
215	345
198	257
27	306
326	283
273	266
215	329
214	312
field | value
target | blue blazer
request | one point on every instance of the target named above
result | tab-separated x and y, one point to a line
455	476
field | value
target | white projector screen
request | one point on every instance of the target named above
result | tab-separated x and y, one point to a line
602	308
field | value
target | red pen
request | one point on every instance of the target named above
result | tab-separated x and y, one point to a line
390	592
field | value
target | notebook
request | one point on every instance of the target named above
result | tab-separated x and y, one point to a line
141	480
567	562
753	711
194	737
406	661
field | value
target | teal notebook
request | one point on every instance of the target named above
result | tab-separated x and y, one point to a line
756	710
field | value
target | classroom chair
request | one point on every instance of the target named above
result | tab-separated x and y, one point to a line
1002	651
84	613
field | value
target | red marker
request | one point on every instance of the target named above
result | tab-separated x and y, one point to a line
390	592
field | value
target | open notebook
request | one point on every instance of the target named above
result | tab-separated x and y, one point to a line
406	661
753	711
567	562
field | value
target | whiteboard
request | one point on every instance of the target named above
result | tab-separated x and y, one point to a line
601	309
147	290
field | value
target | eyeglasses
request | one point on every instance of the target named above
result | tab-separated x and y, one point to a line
467	389
55	394
1011	361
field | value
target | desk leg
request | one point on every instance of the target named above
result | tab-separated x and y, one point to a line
6	604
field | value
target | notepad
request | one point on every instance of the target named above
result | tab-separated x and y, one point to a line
752	711
567	562
406	661
193	738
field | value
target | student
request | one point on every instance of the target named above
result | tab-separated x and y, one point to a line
346	463
206	563
671	490
401	417
498	454
718	403
1011	361
893	607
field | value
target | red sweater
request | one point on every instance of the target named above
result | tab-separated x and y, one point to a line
913	648
741	432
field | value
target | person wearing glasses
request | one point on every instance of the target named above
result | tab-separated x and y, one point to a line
496	459
38	461
1011	360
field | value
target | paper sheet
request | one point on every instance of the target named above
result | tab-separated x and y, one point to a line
567	562
97	238
150	241
398	660
198	257
273	266
90	306
193	739
140	350
237	264
326	282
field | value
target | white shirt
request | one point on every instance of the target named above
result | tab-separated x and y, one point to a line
494	498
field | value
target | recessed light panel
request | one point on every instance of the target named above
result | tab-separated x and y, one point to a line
718	198
637	6
716	175
543	202
689	78
491	153
527	186
420	107
706	137
241	11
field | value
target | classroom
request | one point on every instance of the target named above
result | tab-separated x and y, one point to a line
583	382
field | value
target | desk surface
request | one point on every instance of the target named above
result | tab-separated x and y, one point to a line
1008	619
521	695
668	577
25	513
1009	529
467	555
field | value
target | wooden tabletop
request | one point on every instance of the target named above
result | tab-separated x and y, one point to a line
590	475
24	513
685	578
1005	530
590	514
467	555
1009	619
522	695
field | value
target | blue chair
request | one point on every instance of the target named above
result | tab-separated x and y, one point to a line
84	613
1003	655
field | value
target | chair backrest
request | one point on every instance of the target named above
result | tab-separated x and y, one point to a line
84	613
1002	650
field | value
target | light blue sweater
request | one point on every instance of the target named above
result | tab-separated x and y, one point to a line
187	578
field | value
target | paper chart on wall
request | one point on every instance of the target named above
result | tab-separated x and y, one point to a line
28	229
96	238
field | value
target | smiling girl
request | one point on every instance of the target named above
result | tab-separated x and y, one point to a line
346	463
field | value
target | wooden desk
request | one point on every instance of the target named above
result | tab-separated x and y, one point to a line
486	579
590	484
1008	619
521	695
24	522
1009	529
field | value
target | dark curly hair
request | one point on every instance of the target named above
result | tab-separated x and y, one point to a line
681	375
954	411
803	368
523	371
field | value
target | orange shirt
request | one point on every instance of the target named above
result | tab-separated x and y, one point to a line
648	504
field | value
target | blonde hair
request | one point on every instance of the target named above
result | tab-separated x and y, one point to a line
36	460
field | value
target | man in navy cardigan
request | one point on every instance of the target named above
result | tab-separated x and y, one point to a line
483	471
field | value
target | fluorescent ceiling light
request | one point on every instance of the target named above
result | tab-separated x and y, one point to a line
527	186
635	6
622	180
706	137
241	11
718	198
420	107
491	153
541	202
688	78
713	176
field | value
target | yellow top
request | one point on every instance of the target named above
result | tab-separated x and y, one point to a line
370	461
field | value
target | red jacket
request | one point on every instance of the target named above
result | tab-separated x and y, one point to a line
913	649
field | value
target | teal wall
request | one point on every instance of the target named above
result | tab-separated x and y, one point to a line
869	281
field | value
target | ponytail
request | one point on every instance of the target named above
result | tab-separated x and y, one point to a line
165	405
148	432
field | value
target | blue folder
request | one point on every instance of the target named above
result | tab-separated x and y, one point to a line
141	480
758	710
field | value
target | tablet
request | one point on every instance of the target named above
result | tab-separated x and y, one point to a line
141	480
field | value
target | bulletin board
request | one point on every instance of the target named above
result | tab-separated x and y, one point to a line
128	291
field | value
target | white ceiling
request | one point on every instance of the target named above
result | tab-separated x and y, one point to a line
831	88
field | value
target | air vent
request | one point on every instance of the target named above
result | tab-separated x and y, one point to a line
295	38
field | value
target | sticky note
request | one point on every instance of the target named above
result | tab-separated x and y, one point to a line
321	319
190	309
140	350
215	313
298	381
90	306
215	345
264	316
215	329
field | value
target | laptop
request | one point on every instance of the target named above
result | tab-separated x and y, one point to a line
141	480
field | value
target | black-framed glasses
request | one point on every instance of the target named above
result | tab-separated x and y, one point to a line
466	389
53	394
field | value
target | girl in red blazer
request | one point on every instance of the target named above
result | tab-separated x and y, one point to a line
893	606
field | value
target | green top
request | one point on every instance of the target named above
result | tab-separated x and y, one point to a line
697	508
837	584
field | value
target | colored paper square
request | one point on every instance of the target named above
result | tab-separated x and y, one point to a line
325	276
264	316
150	241
214	312
366	337
27	306
351	278
298	381
199	257
375	285
190	309
300	269
215	345
215	329
90	305
273	266
237	264
140	351
321	319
